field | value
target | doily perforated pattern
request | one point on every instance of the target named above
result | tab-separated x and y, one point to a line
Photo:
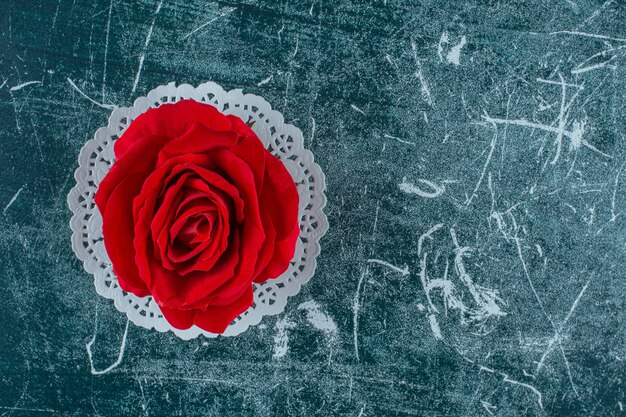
283	140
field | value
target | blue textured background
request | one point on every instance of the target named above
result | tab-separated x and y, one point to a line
498	126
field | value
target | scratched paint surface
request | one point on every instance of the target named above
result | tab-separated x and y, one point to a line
475	161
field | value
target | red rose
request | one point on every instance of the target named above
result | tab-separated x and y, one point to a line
194	211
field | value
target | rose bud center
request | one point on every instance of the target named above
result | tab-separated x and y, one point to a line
195	229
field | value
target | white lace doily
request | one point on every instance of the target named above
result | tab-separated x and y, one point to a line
283	140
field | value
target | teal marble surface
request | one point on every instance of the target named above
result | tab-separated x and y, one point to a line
475	157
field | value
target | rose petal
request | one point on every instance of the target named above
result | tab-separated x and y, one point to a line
144	204
240	127
240	174
138	160
194	227
199	139
251	151
213	179
279	198
182	258
282	257
172	121
117	226
211	249
164	216
201	203
278	203
217	319
267	249
174	291
180	319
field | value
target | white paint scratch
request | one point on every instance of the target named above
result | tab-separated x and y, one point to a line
598	11
19	87
390	59
614	215
575	135
144	408
202	26
16	113
13	199
528	278
315	316
409	188
489	407
443	40
356	305
505	378
319	319
542	80
562	122
404	271
492	148
427	235
434	326
15	406
557	335
355	108
104	106
588	35
120	356
142	57
279	33
265	81
454	54
420	75
281	338
398	139
486	298
106	51
522	384
593	67
32	410
295	51
375	220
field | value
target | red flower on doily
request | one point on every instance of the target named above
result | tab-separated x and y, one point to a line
194	211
